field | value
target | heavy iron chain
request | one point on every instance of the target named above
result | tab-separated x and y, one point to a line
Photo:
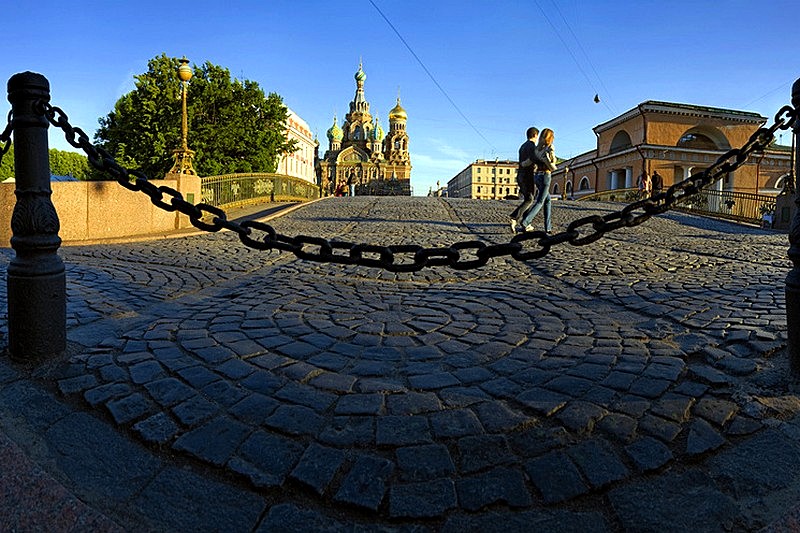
261	236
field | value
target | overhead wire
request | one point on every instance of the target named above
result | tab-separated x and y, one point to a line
606	93
769	93
575	59
431	76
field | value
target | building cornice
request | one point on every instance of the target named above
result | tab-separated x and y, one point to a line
685	110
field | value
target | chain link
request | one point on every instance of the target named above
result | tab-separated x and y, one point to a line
411	257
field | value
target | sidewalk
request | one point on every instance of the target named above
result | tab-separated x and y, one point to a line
636	384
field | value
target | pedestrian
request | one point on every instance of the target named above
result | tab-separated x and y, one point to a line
658	183
352	183
525	172
643	183
547	164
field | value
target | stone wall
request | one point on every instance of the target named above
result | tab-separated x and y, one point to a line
92	211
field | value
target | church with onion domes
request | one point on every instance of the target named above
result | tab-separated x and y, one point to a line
360	153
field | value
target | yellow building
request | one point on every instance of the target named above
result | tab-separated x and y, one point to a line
485	180
676	140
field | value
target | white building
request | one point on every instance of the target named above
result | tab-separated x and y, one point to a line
299	164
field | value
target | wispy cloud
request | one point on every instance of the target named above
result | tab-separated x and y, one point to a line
452	152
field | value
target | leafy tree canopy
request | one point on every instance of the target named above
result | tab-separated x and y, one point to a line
233	126
62	163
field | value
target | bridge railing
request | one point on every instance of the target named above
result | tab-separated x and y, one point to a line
732	205
236	190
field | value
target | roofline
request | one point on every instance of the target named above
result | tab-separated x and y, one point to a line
673	108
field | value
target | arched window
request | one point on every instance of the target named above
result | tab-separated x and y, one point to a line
697	141
620	142
584	184
555	189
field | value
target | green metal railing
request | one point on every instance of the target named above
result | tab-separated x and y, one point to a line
612	195
236	190
739	206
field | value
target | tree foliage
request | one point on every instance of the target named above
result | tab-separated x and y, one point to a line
70	164
62	163
233	126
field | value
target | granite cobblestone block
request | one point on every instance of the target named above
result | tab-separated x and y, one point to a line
424	462
214	442
318	466
501	485
556	477
427	499
366	482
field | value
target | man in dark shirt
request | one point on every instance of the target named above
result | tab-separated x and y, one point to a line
658	182
527	168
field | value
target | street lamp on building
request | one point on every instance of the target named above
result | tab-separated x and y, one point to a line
183	156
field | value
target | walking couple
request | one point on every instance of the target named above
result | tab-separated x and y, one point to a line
536	161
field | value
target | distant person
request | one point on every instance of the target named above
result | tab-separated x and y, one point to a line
658	183
546	165
351	182
525	180
644	185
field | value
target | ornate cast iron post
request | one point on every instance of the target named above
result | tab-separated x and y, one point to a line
793	278
37	301
183	156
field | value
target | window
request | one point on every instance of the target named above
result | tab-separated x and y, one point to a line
620	142
697	140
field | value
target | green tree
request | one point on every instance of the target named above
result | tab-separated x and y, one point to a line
233	125
70	164
7	165
62	163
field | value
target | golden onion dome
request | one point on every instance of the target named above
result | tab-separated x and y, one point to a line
398	113
335	133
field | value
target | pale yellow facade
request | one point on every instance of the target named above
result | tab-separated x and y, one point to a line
485	180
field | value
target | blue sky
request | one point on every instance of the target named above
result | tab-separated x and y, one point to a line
472	74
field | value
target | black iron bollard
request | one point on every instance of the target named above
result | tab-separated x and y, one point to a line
793	278
37	295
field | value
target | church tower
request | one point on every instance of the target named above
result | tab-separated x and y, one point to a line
396	143
360	152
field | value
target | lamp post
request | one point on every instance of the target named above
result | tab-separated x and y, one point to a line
183	156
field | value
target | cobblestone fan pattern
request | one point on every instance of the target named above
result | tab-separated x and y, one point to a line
543	394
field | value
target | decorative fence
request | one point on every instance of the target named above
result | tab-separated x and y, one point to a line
739	206
236	190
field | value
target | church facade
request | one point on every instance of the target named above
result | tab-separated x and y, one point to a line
360	153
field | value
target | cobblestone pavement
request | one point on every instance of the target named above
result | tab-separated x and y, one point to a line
639	383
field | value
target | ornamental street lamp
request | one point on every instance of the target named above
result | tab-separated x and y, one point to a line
183	156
